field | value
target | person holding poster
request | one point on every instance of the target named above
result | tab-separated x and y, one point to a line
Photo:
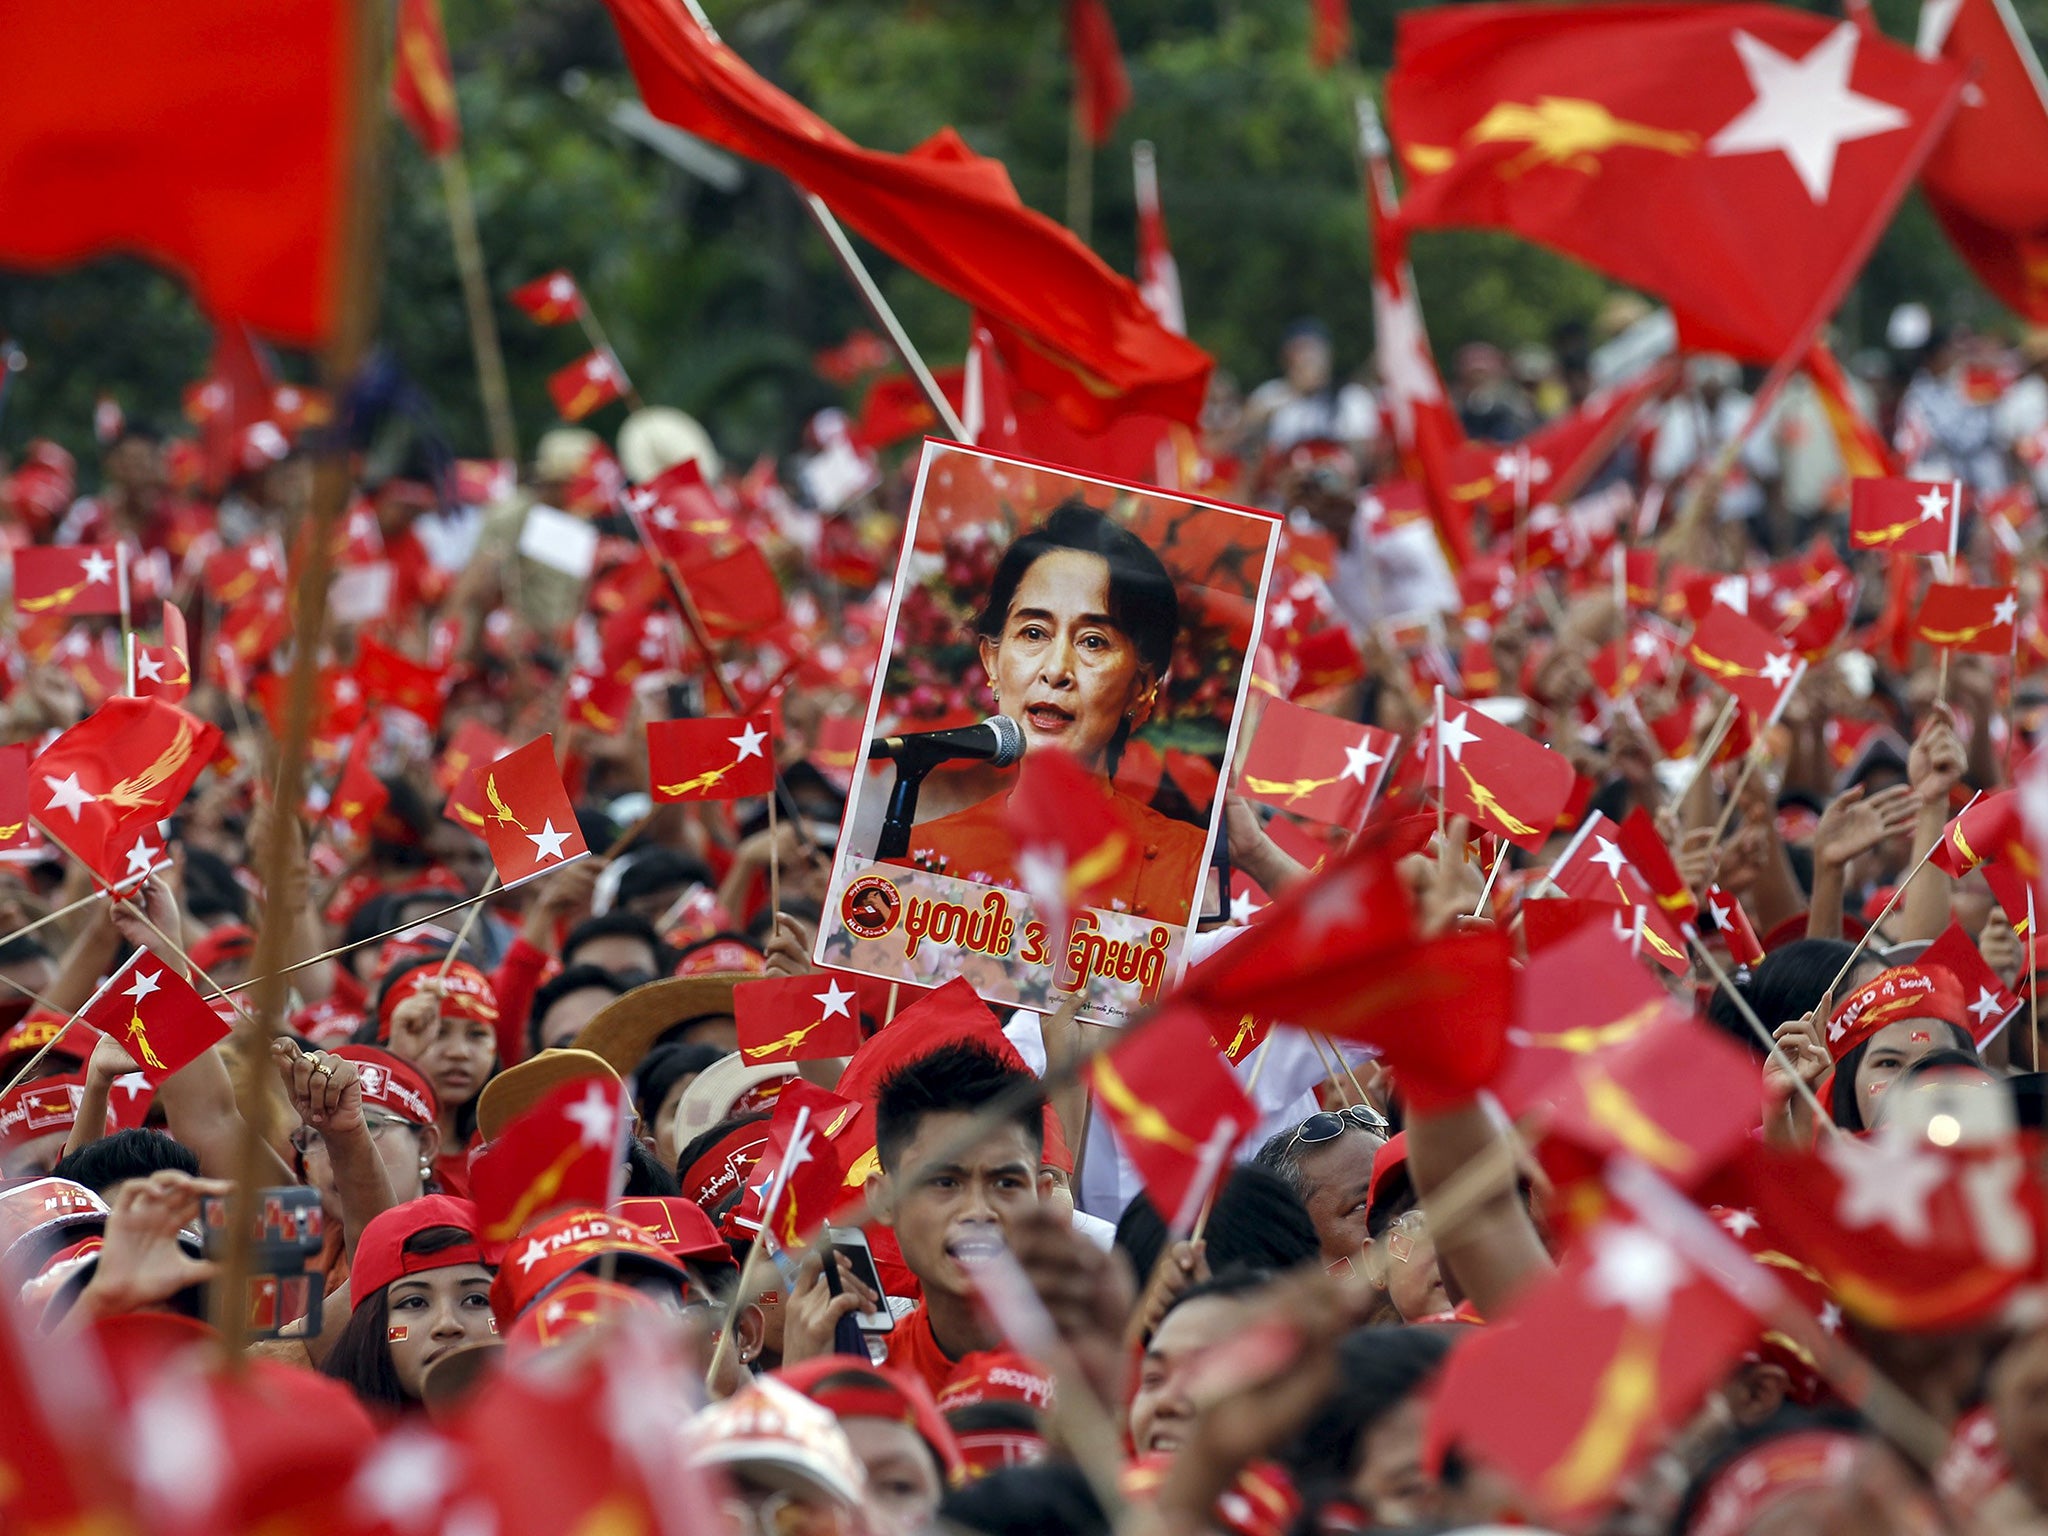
1076	636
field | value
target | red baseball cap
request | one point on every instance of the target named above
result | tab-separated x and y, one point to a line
853	1389
545	1255
392	1084
42	1106
38	1028
230	941
577	1305
1389	1163
680	1226
997	1376
380	1251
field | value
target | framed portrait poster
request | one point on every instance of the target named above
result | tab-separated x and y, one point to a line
1039	610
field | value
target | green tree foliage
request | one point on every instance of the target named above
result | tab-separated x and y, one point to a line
716	300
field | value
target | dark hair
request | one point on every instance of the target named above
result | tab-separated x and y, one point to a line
361	1356
660	1068
1142	600
127	1154
1846	1110
645	1174
656	869
1787	984
1378	1369
23	948
366	1034
617	923
574	978
1026	1501
1229	1284
1257	1220
211	890
959	1078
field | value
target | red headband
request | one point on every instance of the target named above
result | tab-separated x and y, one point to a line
720	1170
1751	1484
1903	992
465	992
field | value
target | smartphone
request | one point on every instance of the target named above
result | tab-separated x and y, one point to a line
852	1244
286	1240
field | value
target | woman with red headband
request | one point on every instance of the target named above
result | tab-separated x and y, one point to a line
905	1446
446	1025
1899	1016
419	1290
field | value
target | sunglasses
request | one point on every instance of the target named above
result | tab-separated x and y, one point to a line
1329	1124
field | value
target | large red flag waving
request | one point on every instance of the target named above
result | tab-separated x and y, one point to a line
1987	179
210	137
941	210
1739	161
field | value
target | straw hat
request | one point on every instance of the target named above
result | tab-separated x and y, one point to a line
623	1030
517	1089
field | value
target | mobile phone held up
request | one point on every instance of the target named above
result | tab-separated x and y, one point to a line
851	1244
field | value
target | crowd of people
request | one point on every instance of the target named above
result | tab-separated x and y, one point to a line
986	1341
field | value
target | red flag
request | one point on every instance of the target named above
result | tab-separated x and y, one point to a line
422	84
1907	517
681	519
1739	160
1177	1110
600	700
715	759
1101	88
1329	31
1989	827
230	575
1496	778
229	169
155	1014
396	681
566	1151
1864	449
1909	1235
942	210
14	782
162	671
1746	659
359	795
70	580
100	789
1984	620
1158	274
1991	1006
473	743
551	299
737	595
1626	1338
1732	922
1648	852
586	385
1596	867
797	1184
1985	180
1316	765
528	819
795	1018
1553	463
1072	849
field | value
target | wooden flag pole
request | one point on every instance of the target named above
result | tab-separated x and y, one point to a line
476	298
355	318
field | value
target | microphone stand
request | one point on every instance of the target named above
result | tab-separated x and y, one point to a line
911	769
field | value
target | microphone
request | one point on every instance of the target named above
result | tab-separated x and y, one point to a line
998	741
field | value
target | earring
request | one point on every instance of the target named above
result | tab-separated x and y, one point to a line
426	1171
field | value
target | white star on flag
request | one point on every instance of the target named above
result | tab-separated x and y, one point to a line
1610	857
1333	902
1886	1182
1452	738
144	984
67	794
1739	1223
1635	1271
1933	505
547	842
1242	907
97	568
1987	1006
595	1115
2006	610
834	1000
1732	592
1777	669
142	857
748	741
1643	643
1358	759
146	665
1804	108
404	1481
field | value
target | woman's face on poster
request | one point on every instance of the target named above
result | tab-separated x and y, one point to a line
1061	669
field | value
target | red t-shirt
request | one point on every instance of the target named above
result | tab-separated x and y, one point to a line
913	1348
